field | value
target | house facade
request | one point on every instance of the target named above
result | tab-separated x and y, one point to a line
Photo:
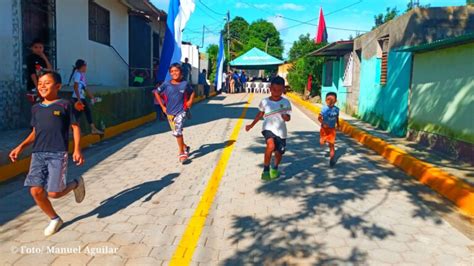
441	102
372	74
105	33
385	73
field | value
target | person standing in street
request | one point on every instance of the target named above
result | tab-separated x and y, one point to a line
224	82
176	98
187	69
243	80
203	81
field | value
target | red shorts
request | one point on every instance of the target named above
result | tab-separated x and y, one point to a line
327	135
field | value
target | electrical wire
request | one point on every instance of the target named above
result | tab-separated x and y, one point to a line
212	10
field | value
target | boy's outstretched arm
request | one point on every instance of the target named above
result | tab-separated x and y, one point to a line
160	101
77	156
255	121
190	102
17	151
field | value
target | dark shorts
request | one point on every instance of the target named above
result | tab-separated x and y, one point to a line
280	144
87	110
48	170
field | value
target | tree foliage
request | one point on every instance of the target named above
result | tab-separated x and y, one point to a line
381	18
391	13
212	51
245	36
303	65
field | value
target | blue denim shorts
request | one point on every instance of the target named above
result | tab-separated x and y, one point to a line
48	170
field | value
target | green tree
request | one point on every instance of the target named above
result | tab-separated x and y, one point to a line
212	51
304	65
410	6
381	18
238	28
265	31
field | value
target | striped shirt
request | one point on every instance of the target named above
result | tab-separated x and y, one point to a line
272	119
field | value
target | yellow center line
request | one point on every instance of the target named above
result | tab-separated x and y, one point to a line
185	250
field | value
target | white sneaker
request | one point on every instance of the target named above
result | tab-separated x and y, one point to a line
80	190
53	226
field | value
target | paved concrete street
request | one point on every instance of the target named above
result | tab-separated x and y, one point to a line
139	201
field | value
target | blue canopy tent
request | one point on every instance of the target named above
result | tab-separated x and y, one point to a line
256	59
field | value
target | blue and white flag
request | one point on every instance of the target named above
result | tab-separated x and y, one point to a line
220	64
179	12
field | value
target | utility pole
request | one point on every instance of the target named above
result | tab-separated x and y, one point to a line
228	39
266	45
203	30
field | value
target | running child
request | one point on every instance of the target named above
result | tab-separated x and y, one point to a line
81	105
275	111
176	98
51	120
329	119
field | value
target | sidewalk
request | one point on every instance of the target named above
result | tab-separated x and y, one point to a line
461	170
447	176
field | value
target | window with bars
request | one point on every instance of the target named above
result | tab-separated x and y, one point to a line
383	43
99	23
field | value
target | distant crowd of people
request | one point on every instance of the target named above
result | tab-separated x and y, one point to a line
236	81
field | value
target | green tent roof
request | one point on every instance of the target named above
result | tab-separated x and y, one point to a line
256	59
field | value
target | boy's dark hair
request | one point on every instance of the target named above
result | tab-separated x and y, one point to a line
55	75
331	94
178	66
278	81
79	63
36	41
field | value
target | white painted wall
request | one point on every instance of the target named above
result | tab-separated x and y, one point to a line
6	41
105	68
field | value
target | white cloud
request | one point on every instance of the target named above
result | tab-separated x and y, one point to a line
241	5
278	21
290	6
263	6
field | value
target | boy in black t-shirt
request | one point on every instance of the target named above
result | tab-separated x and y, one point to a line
35	63
51	120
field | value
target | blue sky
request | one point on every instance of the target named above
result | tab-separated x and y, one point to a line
359	16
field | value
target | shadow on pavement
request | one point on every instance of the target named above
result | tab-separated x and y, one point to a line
323	196
209	148
15	199
126	197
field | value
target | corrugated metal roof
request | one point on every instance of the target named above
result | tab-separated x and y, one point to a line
439	44
338	48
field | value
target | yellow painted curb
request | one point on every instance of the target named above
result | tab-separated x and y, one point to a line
452	188
185	250
22	166
13	169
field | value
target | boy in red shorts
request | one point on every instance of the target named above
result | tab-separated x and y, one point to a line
329	119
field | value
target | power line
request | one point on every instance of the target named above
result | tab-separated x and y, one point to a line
205	12
212	10
328	14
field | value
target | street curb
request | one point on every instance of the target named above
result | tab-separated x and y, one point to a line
12	170
449	186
